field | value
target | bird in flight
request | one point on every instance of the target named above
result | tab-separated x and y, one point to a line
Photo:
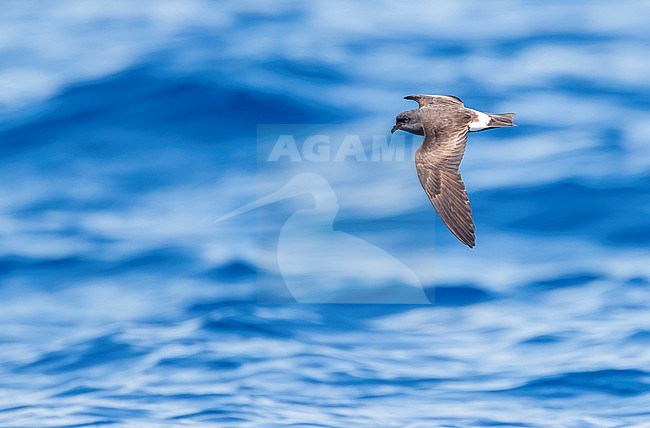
444	121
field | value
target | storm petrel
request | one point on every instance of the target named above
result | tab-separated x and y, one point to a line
445	122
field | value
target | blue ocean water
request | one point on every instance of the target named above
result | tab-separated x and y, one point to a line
128	129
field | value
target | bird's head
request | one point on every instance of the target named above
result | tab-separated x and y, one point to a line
408	121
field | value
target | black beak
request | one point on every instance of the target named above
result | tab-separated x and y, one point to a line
395	128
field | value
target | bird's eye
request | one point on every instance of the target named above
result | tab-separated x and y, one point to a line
406	119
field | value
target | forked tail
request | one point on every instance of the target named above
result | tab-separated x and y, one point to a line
499	120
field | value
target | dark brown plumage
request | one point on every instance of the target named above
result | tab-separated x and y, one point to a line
445	122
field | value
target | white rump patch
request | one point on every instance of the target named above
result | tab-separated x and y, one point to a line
479	123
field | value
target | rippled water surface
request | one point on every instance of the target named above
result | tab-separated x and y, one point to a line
129	128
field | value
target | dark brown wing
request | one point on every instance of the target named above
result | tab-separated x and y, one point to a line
437	162
430	100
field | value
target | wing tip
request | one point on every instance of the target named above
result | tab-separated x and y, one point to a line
470	240
465	237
